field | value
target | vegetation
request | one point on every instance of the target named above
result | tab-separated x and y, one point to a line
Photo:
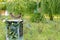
51	7
2	5
37	17
21	6
41	31
37	26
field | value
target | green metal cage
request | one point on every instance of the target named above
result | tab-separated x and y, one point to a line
14	30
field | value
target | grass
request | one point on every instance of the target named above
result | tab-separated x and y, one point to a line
50	30
2	30
42	31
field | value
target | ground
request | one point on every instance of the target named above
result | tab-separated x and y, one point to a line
49	30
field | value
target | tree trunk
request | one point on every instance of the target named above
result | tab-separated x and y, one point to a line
51	16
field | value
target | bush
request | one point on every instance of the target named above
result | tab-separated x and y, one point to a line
37	17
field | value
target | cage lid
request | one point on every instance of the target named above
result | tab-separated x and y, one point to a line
16	20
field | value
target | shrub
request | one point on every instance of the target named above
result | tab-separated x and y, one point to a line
37	17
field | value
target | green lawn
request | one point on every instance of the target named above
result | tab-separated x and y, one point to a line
50	30
2	30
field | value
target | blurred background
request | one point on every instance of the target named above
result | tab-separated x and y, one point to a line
41	18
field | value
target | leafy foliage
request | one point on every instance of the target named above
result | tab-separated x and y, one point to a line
50	6
38	17
3	4
23	6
